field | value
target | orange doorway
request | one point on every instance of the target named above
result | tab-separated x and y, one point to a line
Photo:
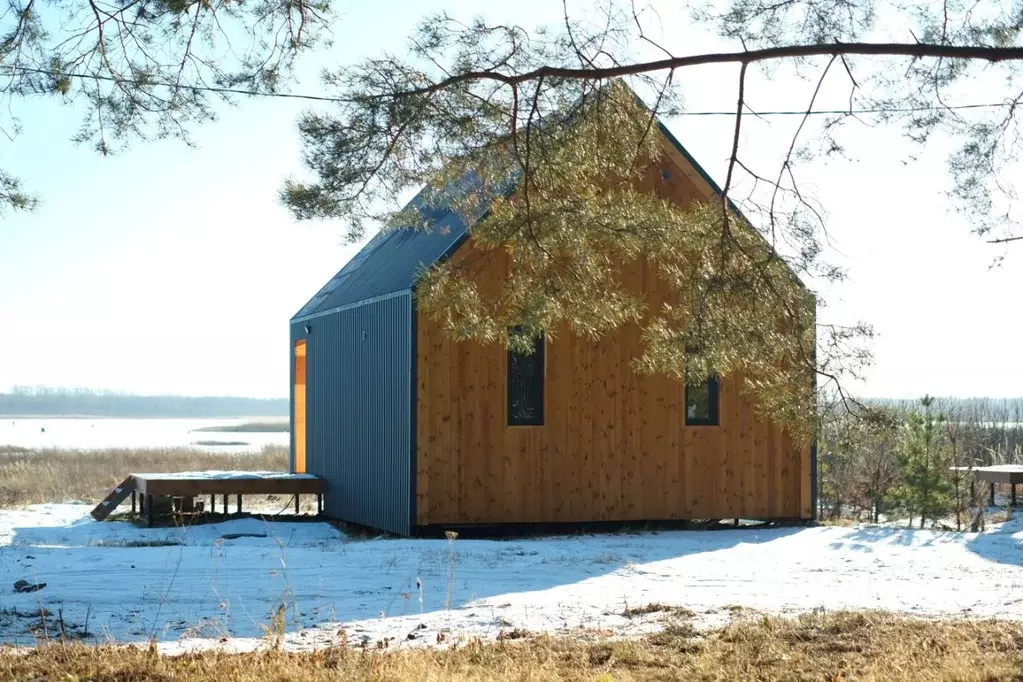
299	404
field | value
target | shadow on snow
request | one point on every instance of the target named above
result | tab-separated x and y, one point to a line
1002	543
232	576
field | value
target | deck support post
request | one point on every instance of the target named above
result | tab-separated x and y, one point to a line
133	494
1013	498
296	503
319	503
213	504
992	493
239	503
149	510
225	504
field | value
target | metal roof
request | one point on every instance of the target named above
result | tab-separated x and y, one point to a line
393	260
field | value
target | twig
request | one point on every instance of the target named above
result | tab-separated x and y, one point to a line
735	149
786	164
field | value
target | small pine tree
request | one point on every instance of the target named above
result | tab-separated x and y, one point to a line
924	460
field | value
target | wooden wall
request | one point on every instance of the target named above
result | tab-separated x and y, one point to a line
614	444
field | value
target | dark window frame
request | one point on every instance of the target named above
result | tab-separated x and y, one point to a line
713	417
537	391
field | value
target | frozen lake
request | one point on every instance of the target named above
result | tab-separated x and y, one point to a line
88	433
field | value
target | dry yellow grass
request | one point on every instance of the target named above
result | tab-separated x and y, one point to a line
841	646
29	477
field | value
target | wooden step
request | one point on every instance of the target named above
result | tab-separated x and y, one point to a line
116	496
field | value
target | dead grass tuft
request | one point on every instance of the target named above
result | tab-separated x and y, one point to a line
841	521
657	607
839	646
514	633
680	636
1000	516
30	477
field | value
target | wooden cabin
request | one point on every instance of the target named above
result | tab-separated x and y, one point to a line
414	432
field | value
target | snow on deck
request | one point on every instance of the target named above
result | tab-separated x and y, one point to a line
223	475
192	586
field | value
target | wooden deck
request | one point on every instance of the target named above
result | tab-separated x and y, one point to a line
1010	474
162	489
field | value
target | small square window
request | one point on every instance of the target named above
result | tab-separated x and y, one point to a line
702	402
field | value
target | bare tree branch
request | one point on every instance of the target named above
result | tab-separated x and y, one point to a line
914	50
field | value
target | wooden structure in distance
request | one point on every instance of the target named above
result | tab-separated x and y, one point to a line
1010	474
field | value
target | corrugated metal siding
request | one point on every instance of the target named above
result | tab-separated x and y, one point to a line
359	411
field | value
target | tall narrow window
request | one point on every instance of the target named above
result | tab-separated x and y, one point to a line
702	402
525	386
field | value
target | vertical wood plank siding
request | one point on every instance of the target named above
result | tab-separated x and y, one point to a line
614	444
359	411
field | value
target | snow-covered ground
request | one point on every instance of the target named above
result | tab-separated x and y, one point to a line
199	585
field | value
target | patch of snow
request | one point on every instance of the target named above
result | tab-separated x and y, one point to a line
234	475
193	586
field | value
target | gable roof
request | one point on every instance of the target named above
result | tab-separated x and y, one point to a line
393	260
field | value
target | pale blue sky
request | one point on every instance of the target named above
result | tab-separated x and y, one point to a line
174	270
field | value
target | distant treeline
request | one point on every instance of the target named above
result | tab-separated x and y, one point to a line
998	410
54	402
